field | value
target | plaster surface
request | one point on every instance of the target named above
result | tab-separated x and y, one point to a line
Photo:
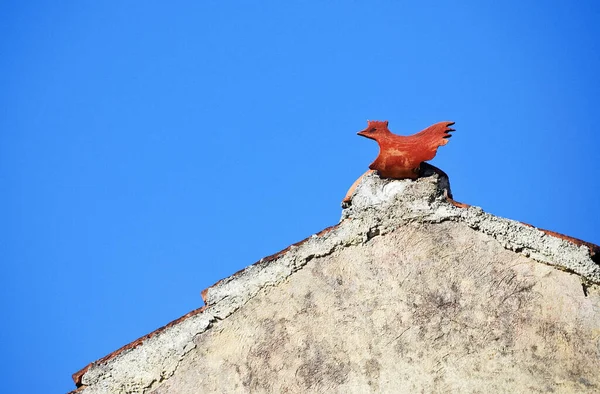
407	293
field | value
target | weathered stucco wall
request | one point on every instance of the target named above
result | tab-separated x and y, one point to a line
408	293
433	307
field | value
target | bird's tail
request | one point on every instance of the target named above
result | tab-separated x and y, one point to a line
437	134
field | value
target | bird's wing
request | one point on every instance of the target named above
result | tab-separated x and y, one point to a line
427	141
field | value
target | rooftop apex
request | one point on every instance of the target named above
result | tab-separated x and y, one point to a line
378	207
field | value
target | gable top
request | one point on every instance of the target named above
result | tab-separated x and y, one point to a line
378	206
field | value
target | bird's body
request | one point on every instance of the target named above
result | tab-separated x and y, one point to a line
400	157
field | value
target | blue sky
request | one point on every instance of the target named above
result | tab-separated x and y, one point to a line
148	149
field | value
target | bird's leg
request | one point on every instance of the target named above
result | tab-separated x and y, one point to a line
347	201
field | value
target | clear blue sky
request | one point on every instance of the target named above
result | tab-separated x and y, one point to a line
149	149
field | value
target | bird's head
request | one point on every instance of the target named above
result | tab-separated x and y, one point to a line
375	129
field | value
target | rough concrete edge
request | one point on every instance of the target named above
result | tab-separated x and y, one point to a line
545	246
388	207
77	376
269	271
558	250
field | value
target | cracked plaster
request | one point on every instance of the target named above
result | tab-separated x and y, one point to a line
378	207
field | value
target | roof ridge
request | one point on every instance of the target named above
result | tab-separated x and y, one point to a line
378	207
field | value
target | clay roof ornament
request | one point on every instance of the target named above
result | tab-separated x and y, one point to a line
401	157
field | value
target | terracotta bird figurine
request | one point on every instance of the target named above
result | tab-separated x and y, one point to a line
400	157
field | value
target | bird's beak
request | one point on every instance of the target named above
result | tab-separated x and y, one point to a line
365	133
